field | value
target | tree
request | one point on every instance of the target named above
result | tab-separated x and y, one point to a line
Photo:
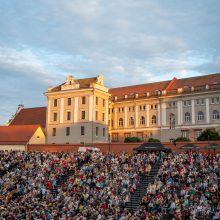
132	139
181	139
153	140
209	135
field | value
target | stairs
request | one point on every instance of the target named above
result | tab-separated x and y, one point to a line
141	190
61	180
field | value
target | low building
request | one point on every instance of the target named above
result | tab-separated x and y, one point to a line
17	137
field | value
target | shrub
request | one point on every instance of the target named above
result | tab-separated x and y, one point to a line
181	139
209	135
154	140
132	139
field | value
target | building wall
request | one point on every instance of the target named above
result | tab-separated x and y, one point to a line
12	147
115	115
92	100
115	147
164	108
38	137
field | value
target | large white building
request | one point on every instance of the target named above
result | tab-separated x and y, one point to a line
84	110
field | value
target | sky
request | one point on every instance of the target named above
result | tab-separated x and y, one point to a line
129	42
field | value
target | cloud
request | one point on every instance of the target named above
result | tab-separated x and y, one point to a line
130	42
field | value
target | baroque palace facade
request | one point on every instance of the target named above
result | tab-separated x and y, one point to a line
84	110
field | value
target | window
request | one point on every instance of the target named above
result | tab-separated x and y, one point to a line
131	121
83	100
55	116
55	102
96	100
68	116
144	107
96	115
154	119
140	135
172	121
212	100
200	116
103	116
185	134
140	107
121	109
197	101
133	108
142	120
202	102
127	135
67	131
120	122
215	115
189	102
155	106
82	130
115	137
54	131
83	115
187	117
97	131
217	100
112	123
69	101
103	102
174	104
103	132
197	133
184	103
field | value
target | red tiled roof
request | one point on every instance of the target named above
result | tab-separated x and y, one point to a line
83	83
17	134
139	89
196	81
173	84
31	116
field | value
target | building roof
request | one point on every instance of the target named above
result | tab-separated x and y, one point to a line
199	81
139	89
210	79
30	116
83	83
17	134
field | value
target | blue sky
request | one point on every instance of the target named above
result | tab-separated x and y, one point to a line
130	42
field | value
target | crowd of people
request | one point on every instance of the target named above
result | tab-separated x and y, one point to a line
98	186
187	187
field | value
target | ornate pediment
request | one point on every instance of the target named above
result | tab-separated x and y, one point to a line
70	83
100	80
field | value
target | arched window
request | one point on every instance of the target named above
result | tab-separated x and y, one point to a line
187	116
120	122
215	115
131	121
154	119
142	120
200	116
172	121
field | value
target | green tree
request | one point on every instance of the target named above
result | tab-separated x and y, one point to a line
181	139
209	135
132	139
153	140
